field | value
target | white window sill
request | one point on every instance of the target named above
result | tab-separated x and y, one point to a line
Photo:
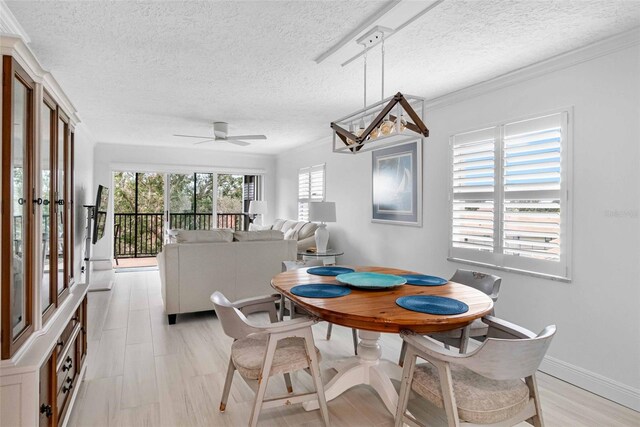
512	270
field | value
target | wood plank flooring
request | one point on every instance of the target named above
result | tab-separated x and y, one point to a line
143	372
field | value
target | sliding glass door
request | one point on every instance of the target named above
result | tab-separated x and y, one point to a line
191	201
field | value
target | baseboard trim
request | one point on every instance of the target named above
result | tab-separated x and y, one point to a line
595	383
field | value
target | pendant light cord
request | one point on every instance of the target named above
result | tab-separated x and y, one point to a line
382	44
365	78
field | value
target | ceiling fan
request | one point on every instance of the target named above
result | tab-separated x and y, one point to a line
220	134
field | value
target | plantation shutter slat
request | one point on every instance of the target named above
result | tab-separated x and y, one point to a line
532	175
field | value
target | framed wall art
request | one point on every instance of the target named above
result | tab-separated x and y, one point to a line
397	184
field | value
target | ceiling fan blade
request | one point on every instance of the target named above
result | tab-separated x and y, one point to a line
202	142
247	137
240	143
192	136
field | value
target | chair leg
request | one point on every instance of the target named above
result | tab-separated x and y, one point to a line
315	373
329	330
409	362
464	339
281	309
536	420
263	379
446	384
227	385
287	381
403	351
354	335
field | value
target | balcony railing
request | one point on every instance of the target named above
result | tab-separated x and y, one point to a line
141	234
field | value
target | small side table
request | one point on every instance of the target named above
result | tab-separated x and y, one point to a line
328	258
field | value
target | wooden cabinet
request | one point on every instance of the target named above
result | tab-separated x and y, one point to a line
43	312
60	375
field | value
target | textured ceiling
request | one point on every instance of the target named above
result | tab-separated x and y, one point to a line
139	72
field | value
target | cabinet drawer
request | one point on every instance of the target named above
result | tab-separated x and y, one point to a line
66	334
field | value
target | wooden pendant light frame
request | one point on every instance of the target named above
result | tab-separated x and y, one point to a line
417	126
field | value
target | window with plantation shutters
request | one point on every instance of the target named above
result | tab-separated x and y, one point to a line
510	204
311	186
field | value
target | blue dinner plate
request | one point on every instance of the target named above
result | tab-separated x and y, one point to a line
424	280
368	280
320	290
432	304
329	271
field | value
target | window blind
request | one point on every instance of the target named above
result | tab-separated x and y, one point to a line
311	188
532	169
473	205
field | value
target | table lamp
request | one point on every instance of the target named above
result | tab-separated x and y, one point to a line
322	212
257	207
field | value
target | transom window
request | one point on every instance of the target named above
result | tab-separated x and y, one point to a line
509	202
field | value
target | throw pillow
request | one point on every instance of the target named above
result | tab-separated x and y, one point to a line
289	235
204	236
256	227
251	236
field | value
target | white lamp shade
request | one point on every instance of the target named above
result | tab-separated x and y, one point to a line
322	211
258	207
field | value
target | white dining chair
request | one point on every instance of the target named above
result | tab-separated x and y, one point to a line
459	338
260	352
295	310
492	385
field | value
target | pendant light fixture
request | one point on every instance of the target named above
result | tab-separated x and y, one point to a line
383	128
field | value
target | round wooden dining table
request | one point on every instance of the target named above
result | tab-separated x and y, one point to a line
373	312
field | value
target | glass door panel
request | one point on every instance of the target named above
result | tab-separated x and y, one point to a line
20	192
59	206
229	202
204	202
48	120
181	201
149	215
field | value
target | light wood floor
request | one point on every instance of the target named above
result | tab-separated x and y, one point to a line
141	371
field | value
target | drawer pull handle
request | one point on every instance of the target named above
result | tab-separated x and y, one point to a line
66	389
60	343
66	367
69	380
46	409
69	359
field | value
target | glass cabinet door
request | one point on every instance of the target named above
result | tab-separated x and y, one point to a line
60	218
17	221
47	294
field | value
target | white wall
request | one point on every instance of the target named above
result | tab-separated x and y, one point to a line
83	192
114	157
598	341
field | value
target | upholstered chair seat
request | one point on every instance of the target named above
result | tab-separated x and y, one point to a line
248	355
479	399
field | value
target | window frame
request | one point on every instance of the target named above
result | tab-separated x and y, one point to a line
496	259
309	170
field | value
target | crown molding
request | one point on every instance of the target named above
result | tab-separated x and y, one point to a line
14	45
9	24
555	63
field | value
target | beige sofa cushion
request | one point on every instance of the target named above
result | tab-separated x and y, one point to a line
479	399
204	236
248	355
256	227
252	236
